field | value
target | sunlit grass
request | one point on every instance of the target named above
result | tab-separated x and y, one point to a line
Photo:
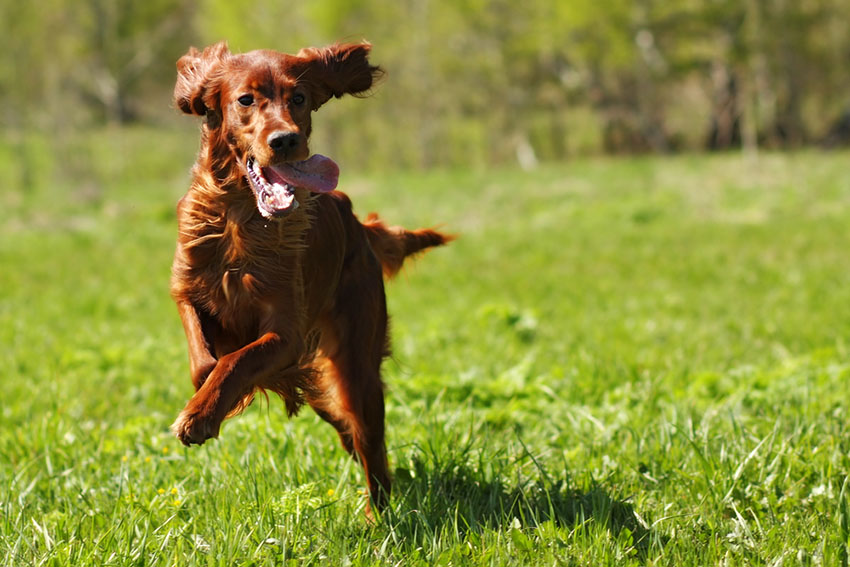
623	362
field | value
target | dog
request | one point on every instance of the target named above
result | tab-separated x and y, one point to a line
279	286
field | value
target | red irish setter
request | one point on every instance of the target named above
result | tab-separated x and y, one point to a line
278	284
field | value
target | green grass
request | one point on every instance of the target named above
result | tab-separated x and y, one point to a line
620	362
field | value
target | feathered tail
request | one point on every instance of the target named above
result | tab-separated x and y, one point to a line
392	244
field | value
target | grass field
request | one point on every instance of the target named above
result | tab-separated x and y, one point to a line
620	362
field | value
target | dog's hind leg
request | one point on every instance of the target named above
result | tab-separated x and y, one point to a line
353	402
351	394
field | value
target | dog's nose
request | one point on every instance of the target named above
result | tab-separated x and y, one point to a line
282	140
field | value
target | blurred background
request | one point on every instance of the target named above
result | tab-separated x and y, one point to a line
469	82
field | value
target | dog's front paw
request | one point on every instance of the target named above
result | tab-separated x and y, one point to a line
194	428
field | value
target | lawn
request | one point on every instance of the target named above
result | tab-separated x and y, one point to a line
636	361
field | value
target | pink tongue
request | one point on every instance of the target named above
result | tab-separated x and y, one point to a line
317	173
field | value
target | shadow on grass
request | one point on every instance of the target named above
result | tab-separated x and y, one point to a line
434	498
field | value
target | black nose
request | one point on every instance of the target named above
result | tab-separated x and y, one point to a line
283	141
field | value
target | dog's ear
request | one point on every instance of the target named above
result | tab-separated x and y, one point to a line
338	69
198	74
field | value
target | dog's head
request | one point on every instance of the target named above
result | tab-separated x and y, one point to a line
259	105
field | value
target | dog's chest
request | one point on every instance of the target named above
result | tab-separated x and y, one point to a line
237	275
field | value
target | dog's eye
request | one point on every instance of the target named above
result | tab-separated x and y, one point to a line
246	100
297	99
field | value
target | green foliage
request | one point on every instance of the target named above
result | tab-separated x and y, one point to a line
620	363
469	83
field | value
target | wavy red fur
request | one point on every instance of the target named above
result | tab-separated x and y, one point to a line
293	304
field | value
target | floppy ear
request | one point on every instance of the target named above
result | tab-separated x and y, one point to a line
197	74
339	69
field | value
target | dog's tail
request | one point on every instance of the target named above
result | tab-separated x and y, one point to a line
392	244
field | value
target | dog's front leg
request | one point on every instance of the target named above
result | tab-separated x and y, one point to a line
201	360
235	375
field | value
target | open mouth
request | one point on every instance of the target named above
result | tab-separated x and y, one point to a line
275	197
274	186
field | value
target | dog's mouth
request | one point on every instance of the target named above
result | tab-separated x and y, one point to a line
274	186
